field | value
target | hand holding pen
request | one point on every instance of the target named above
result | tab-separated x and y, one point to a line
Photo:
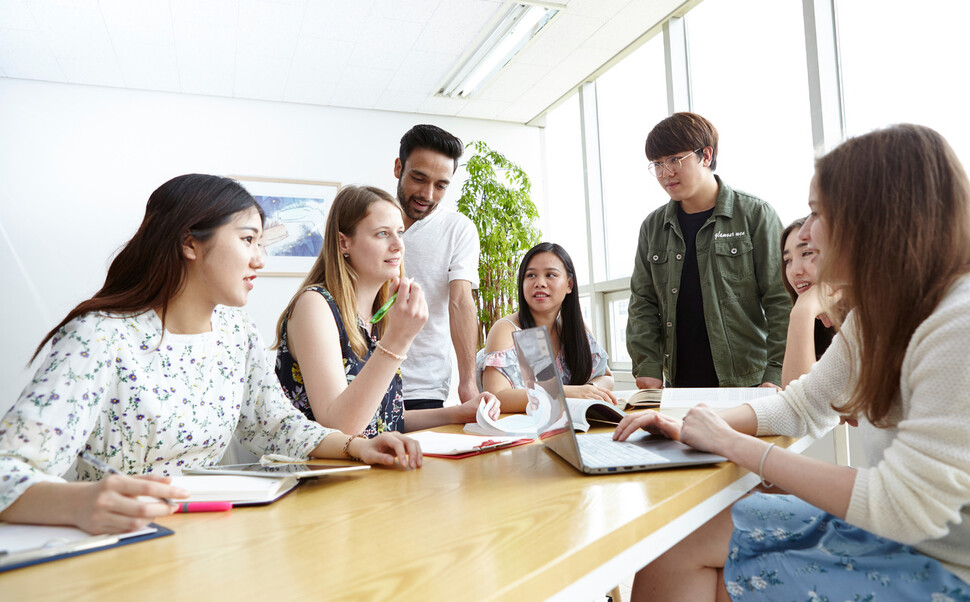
406	314
111	505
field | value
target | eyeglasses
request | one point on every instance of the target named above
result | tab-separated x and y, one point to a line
671	164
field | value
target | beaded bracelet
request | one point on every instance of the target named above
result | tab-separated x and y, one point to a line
761	468
347	447
396	356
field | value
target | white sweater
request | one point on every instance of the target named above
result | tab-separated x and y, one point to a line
916	489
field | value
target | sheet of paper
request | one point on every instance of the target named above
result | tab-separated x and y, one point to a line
716	397
450	444
16	538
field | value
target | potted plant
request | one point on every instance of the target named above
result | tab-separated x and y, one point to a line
496	197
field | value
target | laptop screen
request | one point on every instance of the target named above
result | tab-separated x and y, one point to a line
543	383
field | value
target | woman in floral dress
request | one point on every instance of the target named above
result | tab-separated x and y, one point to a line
158	372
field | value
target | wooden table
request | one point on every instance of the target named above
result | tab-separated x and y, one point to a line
518	524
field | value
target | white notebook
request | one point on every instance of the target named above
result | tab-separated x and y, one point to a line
236	489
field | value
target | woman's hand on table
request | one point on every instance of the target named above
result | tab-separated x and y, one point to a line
387	448
651	421
111	505
589	391
704	430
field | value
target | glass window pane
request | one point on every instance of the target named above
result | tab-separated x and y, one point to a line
618	303
902	65
749	78
585	306
564	217
631	98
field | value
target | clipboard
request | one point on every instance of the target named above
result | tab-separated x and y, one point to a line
448	445
87	543
484	449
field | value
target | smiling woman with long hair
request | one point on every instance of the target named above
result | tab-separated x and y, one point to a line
810	329
159	371
891	223
548	296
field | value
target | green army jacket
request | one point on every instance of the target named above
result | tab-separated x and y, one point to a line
746	306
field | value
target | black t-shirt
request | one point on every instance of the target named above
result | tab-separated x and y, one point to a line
695	364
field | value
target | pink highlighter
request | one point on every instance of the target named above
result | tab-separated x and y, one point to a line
204	506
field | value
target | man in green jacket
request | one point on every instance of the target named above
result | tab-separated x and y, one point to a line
707	306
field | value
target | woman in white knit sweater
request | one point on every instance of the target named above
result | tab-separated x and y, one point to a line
891	221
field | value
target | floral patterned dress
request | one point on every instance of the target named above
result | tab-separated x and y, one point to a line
147	401
783	548
389	415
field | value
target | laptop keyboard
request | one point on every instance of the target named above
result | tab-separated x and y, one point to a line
600	450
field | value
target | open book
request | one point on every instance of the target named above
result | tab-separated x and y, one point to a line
583	412
642	399
241	491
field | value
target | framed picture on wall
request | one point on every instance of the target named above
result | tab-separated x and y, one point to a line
296	214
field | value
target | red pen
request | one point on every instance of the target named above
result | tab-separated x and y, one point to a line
204	506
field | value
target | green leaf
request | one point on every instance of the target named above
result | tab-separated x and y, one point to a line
497	198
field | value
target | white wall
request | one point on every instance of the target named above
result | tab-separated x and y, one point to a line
77	164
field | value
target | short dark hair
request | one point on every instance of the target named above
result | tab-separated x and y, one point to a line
679	133
433	138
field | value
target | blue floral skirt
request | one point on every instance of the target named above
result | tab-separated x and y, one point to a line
785	549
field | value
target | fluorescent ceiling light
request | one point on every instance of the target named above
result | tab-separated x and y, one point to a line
519	24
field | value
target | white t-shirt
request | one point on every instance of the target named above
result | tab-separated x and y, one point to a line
437	249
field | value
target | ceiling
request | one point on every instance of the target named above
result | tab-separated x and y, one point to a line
371	54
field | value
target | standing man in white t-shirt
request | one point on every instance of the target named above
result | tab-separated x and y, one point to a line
441	253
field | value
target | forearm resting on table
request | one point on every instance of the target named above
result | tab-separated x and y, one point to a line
45	503
513	400
823	484
332	447
604	381
416	420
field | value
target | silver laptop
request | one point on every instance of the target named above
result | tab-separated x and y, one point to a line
590	453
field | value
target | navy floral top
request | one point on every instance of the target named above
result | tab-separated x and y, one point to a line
390	414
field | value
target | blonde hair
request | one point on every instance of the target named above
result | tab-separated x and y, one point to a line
895	199
333	272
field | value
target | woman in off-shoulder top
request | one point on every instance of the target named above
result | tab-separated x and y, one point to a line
548	296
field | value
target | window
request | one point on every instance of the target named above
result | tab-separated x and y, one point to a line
617	304
901	65
749	77
631	99
564	217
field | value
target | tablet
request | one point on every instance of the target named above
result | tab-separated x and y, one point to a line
300	471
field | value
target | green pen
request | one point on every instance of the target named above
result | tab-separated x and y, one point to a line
377	317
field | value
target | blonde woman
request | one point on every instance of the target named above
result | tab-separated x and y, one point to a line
337	363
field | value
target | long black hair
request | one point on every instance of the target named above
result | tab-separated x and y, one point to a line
149	270
572	329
